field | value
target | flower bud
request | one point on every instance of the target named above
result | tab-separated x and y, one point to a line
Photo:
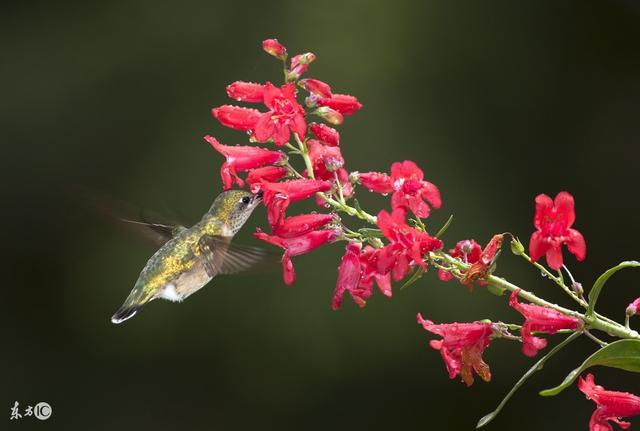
316	87
275	48
329	115
516	247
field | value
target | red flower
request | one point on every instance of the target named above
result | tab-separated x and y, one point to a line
246	91
285	115
541	319
237	117
343	103
301	224
408	244
277	196
466	250
266	174
327	135
349	278
316	87
481	267
553	221
461	347
325	159
296	246
275	48
373	268
242	158
611	405
408	187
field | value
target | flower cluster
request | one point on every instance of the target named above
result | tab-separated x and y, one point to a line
297	119
283	122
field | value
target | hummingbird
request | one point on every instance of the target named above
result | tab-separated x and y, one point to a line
190	257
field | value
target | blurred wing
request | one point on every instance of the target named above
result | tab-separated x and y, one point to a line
220	256
145	224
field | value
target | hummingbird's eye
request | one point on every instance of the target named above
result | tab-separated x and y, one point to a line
246	200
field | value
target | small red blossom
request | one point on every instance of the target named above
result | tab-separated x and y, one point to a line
267	174
315	86
553	221
461	347
236	117
296	246
324	159
277	196
611	405
301	224
246	91
242	158
325	134
373	269
407	244
633	308
541	319
275	48
376	182
285	115
349	273
343	103
466	250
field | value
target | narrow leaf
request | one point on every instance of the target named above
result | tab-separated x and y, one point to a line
414	277
623	354
444	228
599	284
535	368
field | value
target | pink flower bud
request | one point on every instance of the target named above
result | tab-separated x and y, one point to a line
246	91
275	48
237	117
329	115
316	87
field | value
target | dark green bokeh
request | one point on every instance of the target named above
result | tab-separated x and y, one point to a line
497	101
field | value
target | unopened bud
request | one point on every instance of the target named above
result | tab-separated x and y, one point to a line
516	247
577	288
275	48
329	115
316	87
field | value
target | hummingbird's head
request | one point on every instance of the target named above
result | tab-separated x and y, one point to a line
234	207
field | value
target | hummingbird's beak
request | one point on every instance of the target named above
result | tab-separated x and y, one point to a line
259	196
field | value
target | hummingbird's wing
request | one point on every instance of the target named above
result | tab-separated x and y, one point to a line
221	256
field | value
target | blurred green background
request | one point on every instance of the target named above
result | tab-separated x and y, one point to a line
497	101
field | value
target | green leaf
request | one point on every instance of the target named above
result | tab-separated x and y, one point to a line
531	371
623	354
599	284
414	277
444	228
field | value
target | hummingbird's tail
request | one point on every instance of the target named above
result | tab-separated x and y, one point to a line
132	304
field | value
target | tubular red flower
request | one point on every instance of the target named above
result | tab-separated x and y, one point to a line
343	103
410	190
373	269
246	91
277	196
349	278
301	224
242	158
327	135
553	221
296	246
266	173
461	347
541	319
275	48
611	405
236	117
316	87
376	182
481	267
285	115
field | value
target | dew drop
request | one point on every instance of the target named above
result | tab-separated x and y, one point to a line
543	274
385	194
